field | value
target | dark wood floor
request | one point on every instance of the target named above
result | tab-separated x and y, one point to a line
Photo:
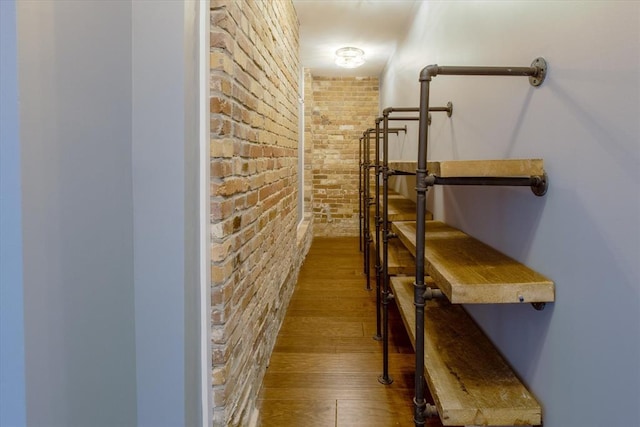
325	366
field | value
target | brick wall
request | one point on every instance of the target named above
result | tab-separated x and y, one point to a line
308	142
255	247
342	109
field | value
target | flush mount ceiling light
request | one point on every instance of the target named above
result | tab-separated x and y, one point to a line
349	57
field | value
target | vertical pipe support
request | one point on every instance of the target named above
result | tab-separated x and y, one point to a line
365	206
360	190
419	286
378	335
385	378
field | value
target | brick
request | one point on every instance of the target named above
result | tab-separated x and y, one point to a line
254	135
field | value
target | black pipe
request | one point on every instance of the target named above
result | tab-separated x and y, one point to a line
536	72
367	236
385	378
419	286
391	130
360	191
434	70
402	118
396	172
378	335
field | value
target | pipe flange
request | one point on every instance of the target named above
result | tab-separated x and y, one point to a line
449	109
386	381
541	64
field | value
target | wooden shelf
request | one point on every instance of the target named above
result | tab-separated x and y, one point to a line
402	209
476	168
469	271
468	379
400	260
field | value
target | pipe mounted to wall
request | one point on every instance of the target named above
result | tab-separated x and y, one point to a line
536	73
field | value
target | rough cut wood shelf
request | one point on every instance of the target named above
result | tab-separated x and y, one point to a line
468	379
469	271
402	209
476	168
400	260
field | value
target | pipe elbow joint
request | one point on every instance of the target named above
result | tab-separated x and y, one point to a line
387	110
428	72
378	120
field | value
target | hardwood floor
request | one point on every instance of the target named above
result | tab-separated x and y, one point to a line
325	366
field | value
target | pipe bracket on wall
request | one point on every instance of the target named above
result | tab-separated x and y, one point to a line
541	64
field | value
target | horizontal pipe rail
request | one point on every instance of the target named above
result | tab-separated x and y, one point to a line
390	130
536	72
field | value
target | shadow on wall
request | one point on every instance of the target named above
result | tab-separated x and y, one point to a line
593	349
506	218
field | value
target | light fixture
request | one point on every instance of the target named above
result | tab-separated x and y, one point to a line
349	57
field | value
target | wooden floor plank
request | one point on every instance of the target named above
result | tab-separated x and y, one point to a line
316	413
367	413
325	358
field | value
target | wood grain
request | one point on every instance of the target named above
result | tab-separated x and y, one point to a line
468	378
399	259
476	168
325	359
469	271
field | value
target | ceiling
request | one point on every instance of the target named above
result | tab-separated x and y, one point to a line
374	26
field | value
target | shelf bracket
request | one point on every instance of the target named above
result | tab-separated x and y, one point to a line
431	293
540	184
430	411
539	305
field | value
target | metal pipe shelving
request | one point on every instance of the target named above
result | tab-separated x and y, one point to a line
365	199
382	272
536	73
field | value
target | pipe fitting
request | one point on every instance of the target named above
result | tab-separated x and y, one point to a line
431	293
430	411
430	180
428	72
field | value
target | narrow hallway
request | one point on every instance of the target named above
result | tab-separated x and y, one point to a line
325	366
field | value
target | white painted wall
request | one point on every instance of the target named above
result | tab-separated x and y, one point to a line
75	124
581	355
166	211
109	141
12	381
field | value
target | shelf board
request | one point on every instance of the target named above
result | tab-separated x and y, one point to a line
402	209
505	168
399	259
469	271
468	378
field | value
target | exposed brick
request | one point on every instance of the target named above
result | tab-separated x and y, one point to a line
253	148
337	111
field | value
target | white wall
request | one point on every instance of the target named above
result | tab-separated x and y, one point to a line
12	382
166	211
580	356
75	117
109	124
